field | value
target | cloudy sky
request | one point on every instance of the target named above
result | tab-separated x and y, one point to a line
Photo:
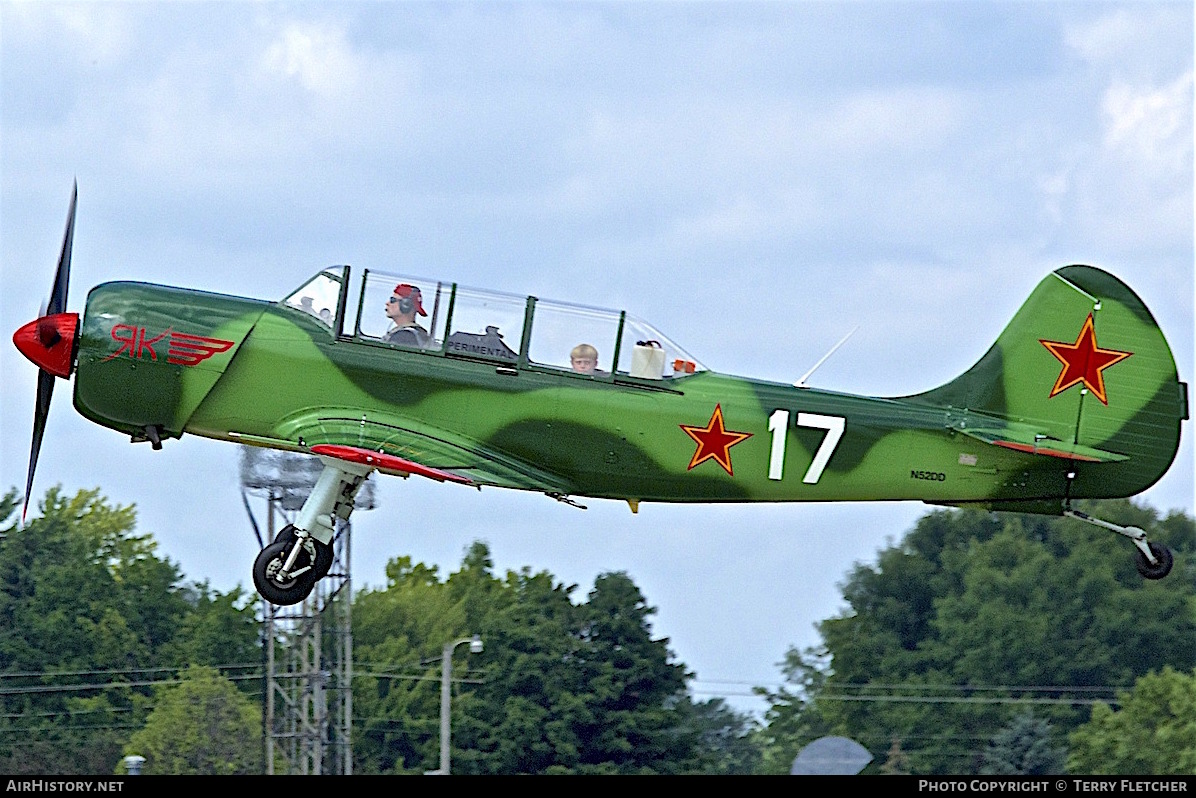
756	179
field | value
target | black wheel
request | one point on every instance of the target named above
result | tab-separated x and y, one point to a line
324	558
324	554
266	566
1159	569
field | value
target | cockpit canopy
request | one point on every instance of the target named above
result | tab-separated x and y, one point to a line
520	331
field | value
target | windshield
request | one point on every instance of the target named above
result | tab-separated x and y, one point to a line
318	297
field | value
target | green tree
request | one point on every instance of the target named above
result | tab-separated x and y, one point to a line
1024	748
80	590
896	762
530	713
75	611
562	687
1152	733
728	741
398	634
201	726
90	616
217	629
972	609
632	684
792	721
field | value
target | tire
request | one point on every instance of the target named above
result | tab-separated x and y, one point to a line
324	554
1158	570
265	569
324	558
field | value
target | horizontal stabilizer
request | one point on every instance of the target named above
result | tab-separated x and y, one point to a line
1036	443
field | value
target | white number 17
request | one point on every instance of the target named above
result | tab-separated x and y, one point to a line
778	425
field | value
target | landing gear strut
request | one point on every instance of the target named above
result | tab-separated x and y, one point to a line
1153	560
286	571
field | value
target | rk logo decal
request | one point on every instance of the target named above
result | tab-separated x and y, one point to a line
182	349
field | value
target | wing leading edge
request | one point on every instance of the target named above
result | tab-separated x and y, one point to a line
400	446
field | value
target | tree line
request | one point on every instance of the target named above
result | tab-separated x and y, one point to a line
978	643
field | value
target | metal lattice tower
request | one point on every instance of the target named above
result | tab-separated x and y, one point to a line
308	648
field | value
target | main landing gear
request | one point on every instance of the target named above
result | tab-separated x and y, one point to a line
286	571
1153	560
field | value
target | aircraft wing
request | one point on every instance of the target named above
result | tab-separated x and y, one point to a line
1027	440
398	446
386	462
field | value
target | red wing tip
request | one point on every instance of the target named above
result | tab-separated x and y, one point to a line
388	462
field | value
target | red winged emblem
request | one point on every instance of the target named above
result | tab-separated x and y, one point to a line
183	349
187	350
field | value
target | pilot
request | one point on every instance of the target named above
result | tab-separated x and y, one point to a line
584	359
402	308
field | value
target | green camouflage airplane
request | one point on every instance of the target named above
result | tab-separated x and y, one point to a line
1078	398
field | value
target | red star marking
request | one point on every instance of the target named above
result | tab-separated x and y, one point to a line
1083	361
714	441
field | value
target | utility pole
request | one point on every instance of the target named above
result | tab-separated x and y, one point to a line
446	678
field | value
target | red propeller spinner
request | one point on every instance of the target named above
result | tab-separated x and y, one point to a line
49	342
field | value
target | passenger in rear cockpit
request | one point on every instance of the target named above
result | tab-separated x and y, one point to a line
584	359
403	306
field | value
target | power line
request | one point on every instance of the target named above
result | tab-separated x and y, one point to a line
961	699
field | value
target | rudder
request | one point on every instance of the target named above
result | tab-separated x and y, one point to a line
1082	363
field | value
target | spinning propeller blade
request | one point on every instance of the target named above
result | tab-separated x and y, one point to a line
49	342
62	277
45	389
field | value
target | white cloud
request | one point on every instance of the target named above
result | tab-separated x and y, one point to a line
1103	38
877	122
1130	194
1151	125
317	55
1137	40
98	34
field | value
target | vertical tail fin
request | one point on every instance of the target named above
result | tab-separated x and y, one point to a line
1083	363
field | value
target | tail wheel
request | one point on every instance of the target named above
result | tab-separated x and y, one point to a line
1158	569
